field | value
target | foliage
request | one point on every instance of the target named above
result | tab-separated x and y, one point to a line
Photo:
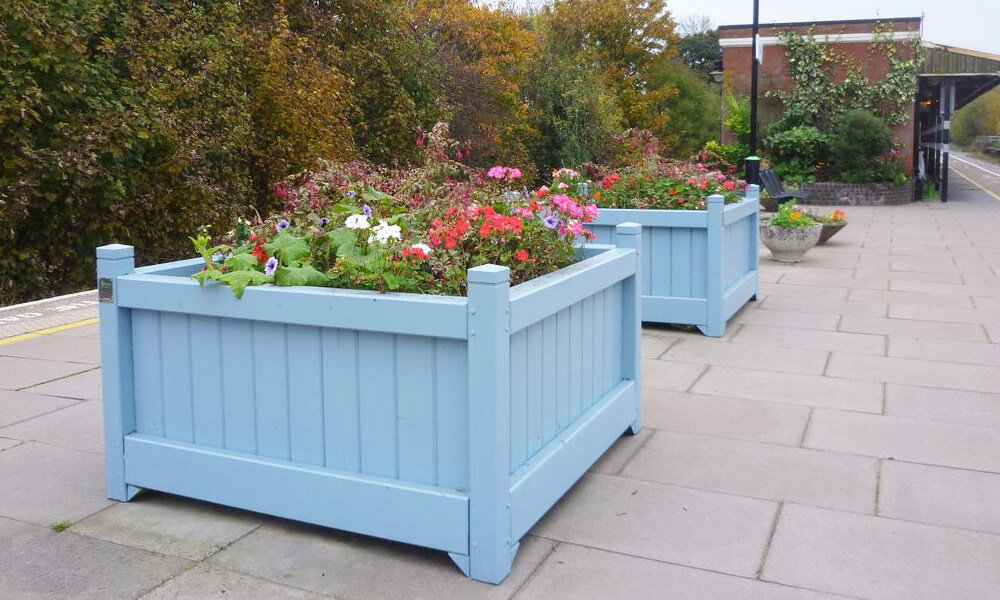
835	218
979	117
738	118
790	215
859	139
701	52
798	153
728	158
693	110
669	185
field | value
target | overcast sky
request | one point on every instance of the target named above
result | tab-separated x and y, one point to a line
972	24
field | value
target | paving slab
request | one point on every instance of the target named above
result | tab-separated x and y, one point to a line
208	583
18	406
896	275
759	470
974	378
972	353
350	567
810	339
726	417
945	315
803	291
966	332
582	573
945	288
987	303
881	559
616	457
756	316
689	527
655	345
85	386
39	564
6	443
972	408
170	525
658	375
940	496
914	298
50	347
790	388
47	484
17	373
913	440
80	427
825	306
706	351
842	281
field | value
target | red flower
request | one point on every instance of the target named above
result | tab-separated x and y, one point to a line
260	254
673	192
523	256
729	185
415	253
485	230
450	242
610	180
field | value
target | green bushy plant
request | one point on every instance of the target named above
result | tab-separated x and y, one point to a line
797	154
859	139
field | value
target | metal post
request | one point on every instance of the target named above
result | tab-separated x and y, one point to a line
753	177
947	107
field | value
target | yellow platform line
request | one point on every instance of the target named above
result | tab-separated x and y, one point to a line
966	177
49	331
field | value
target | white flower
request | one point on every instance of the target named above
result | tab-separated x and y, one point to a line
383	232
357	222
424	247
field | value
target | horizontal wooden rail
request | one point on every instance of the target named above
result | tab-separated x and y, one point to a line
741	210
404	314
654	218
177	268
532	301
410	513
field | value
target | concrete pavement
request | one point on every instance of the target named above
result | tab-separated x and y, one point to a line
841	441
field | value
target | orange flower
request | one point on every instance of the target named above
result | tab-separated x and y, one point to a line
795	216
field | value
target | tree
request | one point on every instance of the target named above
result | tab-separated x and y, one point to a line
699	47
979	117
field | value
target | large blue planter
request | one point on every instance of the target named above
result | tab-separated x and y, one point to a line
446	422
699	267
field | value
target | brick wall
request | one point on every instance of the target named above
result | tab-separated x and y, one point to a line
774	73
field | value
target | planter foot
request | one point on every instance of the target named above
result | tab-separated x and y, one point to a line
132	491
713	331
634	428
462	560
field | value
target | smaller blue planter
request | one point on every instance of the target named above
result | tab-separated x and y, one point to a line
699	267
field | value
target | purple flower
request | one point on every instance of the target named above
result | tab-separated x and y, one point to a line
283	224
368	211
351	194
551	221
324	222
271	266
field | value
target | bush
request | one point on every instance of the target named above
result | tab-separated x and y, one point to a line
729	158
797	153
859	139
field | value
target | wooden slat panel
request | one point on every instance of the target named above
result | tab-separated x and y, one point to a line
410	513
550	379
415	380
341	399
305	395
148	373
536	379
238	389
699	263
206	375
603	234
377	357
518	399
587	353
680	265
575	361
452	414
562	369
600	348
270	375
178	412
657	250
650	249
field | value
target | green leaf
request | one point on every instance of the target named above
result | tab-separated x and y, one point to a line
288	248
242	262
239	280
307	275
346	243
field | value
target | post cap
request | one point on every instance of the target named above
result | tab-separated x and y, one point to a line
489	274
628	228
753	158
716	199
114	251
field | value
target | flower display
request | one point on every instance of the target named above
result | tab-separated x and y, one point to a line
667	185
357	222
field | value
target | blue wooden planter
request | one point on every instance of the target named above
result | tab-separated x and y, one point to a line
446	422
698	266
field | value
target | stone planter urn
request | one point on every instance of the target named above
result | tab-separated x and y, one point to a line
789	244
830	230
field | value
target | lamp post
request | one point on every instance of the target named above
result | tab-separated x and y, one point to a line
718	77
756	47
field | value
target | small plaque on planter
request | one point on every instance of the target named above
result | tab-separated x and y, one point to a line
106	290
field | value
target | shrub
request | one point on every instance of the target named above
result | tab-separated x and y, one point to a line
797	153
858	140
730	158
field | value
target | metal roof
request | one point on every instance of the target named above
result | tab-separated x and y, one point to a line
948	60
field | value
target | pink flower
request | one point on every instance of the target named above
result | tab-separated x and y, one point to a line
591	211
562	186
720	177
575	228
513	174
729	185
497	173
524	213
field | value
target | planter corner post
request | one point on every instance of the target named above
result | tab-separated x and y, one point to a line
491	548
715	323
753	192
630	236
113	261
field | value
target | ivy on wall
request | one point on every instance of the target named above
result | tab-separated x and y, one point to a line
826	81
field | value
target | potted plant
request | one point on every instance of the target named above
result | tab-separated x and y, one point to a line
832	224
280	373
790	233
700	229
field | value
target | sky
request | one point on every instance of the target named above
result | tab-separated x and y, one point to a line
972	24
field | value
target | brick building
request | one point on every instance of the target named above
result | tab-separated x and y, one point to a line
949	79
